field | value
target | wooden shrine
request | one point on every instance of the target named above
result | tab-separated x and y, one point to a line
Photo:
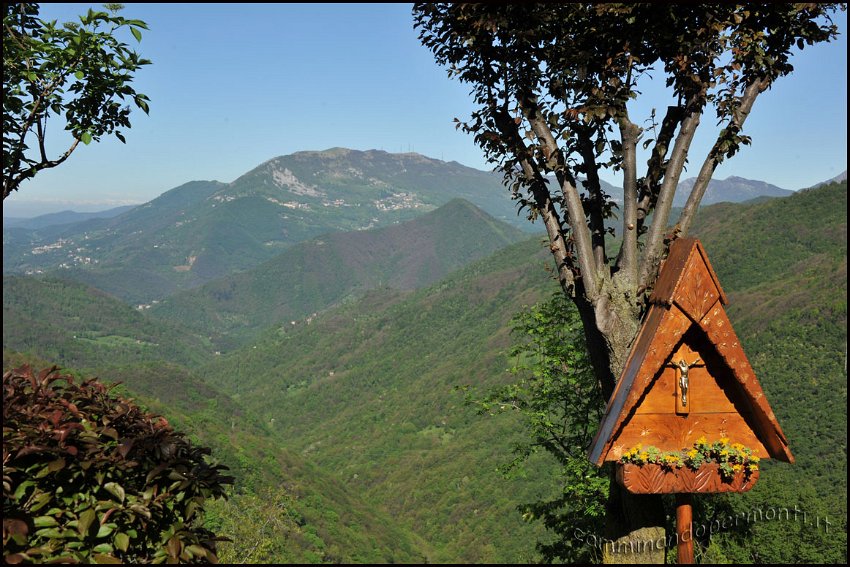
686	381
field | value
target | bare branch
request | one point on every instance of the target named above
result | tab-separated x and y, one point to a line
627	258
715	156
654	244
542	201
596	202
572	199
12	182
40	134
656	165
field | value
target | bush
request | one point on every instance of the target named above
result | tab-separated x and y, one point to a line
90	477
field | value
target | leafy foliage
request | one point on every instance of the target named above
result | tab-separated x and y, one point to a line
88	477
79	72
560	403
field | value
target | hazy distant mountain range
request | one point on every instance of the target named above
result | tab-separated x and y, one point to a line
837	179
62	217
731	190
204	230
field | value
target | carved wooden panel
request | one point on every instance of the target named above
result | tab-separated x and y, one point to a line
687	376
655	479
697	291
677	432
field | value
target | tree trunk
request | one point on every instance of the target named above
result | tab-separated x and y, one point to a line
634	524
634	527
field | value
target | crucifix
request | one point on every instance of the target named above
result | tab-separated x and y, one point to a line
683	383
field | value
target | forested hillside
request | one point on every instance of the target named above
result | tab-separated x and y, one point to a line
341	390
360	414
204	230
340	266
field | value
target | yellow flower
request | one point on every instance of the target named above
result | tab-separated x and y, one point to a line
692	453
738	446
724	440
702	440
754	459
644	456
737	468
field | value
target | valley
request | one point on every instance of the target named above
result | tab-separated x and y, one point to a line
323	359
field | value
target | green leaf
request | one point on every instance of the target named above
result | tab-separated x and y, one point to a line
105	530
86	138
85	521
40	501
116	490
136	33
51	533
122	541
22	488
103	548
45	522
196	551
79	75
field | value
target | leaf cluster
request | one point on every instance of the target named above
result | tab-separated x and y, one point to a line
572	68
551	83
89	477
560	403
79	73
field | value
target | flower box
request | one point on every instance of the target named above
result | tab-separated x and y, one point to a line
651	478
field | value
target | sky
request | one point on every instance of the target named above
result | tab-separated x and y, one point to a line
233	85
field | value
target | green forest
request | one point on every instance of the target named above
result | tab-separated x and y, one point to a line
350	437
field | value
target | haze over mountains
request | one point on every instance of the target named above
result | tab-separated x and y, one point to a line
204	230
62	217
314	275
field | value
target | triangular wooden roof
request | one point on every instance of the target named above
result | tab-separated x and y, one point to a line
687	296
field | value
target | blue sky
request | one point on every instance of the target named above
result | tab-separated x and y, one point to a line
233	85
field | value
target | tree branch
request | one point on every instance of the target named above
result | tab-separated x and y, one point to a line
715	156
656	164
13	182
655	241
594	190
542	200
627	258
572	200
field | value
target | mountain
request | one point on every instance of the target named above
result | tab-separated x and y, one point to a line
369	389
837	179
311	276
364	400
92	334
62	217
78	326
124	255
205	230
732	190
